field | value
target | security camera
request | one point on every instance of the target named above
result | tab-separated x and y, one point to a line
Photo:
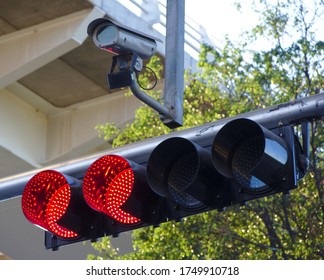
118	39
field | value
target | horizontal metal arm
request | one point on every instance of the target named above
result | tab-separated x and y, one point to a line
291	113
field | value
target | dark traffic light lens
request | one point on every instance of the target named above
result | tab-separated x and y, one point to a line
181	174
246	157
183	171
45	200
178	169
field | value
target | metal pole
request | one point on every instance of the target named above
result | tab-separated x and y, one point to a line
174	62
171	113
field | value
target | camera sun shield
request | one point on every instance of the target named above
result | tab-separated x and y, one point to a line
118	39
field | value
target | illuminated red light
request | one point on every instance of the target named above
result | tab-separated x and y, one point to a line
111	50
107	185
45	199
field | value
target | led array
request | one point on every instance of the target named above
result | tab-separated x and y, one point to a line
107	185
45	200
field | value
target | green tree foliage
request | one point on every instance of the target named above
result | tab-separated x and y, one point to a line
237	78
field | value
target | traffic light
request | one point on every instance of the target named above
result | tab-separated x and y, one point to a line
164	179
54	202
259	162
45	200
118	188
182	172
113	197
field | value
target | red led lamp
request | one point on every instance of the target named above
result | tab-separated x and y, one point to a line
45	200
107	185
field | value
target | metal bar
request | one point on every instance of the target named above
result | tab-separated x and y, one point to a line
174	62
291	113
171	113
306	137
148	100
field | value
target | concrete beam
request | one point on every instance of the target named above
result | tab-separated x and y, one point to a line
23	128
57	134
71	132
26	50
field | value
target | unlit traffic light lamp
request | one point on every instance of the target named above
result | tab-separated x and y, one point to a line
258	161
182	172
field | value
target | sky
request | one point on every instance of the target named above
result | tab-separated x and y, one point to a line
219	17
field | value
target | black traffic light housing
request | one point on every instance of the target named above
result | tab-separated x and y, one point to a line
259	162
212	166
177	178
182	172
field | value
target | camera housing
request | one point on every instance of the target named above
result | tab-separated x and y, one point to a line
118	39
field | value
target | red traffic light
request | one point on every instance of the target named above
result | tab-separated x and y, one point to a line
107	185
45	200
